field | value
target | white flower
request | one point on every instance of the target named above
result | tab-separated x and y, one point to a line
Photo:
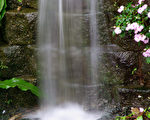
140	1
139	96
141	9
141	109
121	9
118	30
148	15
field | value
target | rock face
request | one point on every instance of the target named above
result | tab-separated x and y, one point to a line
18	47
19	60
20	27
13	4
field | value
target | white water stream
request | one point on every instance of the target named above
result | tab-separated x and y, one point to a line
68	58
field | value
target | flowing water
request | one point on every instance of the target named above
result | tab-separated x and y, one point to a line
69	58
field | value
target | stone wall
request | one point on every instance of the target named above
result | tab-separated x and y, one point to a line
18	53
18	38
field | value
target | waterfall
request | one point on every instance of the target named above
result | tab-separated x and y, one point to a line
68	58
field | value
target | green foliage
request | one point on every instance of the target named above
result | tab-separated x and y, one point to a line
134	70
21	84
19	0
139	118
140	115
128	22
2	66
148	60
2	8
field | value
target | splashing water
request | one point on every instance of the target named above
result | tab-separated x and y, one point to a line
65	112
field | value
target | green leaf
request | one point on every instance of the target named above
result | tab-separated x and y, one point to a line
139	118
148	114
148	35
148	60
123	118
133	71
113	33
20	0
21	84
122	35
5	4
1	5
117	118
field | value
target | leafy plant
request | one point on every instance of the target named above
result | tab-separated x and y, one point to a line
134	20
2	66
137	114
21	84
2	8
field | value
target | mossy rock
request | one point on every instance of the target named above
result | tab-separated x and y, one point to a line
14	4
20	27
20	61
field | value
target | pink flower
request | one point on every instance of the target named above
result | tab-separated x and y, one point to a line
140	37
148	15
138	29
141	9
137	37
140	1
128	27
121	9
141	109
134	26
146	53
146	41
144	6
118	30
143	37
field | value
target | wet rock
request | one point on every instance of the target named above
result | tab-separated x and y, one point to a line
13	4
106	118
20	61
134	96
20	27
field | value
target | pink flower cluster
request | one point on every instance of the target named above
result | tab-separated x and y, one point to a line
141	37
137	28
134	26
146	53
141	9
